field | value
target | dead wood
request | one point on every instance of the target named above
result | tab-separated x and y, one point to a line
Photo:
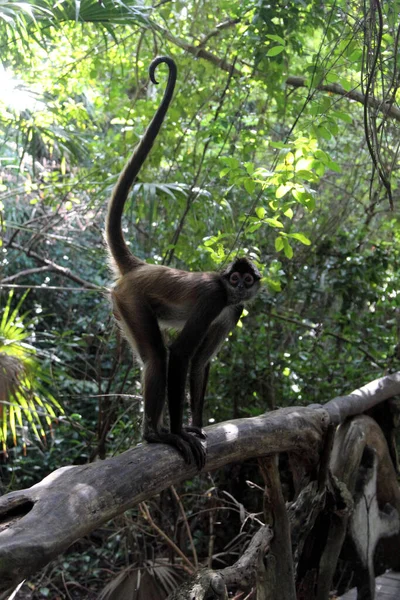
361	461
276	574
241	575
39	523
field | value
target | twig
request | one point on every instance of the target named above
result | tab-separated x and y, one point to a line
56	268
24	273
321	332
374	152
217	30
146	515
187	527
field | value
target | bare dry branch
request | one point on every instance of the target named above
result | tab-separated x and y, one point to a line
52	266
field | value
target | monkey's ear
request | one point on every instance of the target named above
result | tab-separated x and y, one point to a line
227	271
256	272
242	265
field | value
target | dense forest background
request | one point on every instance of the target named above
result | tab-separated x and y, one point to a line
269	148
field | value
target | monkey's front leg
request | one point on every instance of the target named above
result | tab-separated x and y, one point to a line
154	383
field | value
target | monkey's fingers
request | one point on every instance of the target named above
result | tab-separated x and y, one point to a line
197	431
198	449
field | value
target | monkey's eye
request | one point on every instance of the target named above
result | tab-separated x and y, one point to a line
234	278
248	279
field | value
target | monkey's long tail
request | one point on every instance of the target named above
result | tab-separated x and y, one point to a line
120	252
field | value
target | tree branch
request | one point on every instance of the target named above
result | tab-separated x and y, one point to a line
363	399
198	52
324	332
52	266
336	88
217	30
39	523
213	584
25	273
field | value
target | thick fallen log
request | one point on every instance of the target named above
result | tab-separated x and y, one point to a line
41	522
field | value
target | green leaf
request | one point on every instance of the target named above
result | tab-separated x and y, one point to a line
355	56
249	166
253	228
347	85
230	161
342	116
273	284
249	185
260	212
322	156
301	238
287	248
289	158
307	175
273	222
333	166
333	127
275	50
310	203
319	168
331	77
283	190
276	38
323	132
279	244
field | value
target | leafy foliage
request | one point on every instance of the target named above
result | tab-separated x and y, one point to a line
24	394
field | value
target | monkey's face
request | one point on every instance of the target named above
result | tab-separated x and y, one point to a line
242	280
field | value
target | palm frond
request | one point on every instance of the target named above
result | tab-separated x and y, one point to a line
24	394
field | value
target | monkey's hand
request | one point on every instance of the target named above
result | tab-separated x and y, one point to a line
187	444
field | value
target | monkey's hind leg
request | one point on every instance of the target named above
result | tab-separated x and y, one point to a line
143	334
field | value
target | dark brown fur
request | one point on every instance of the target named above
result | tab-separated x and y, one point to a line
147	298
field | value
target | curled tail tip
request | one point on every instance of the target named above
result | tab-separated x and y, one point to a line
162	59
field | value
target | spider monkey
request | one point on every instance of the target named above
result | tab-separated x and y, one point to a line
147	298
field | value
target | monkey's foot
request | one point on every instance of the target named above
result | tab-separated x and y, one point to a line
188	445
197	431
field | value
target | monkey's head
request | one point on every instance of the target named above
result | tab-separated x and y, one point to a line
242	280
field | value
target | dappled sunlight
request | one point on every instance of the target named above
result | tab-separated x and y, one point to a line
295	414
15	93
82	492
53	477
231	432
